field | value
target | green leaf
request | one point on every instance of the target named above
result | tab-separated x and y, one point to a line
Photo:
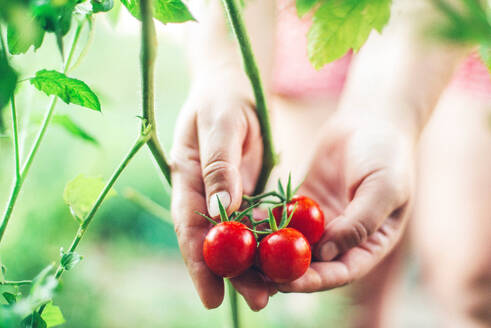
34	320
82	192
485	52
73	128
101	5
166	11
10	298
69	260
341	25
304	6
67	89
21	38
223	213
52	315
171	11
8	81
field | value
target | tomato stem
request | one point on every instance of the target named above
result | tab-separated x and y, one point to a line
148	56
21	174
15	283
142	140
269	157
234	306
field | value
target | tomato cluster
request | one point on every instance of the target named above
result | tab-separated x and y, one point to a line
283	254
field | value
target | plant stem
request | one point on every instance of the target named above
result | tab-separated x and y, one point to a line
16	139
149	205
252	71
142	140
234	306
21	175
148	56
16	283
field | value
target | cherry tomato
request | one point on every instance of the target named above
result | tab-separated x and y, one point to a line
229	249
284	255
308	217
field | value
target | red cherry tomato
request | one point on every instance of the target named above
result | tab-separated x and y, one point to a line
229	249
284	255
308	217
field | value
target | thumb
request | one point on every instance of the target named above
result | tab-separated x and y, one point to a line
221	136
374	201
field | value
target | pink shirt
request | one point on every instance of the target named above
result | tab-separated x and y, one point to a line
294	76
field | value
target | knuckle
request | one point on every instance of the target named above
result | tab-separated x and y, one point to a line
216	169
357	234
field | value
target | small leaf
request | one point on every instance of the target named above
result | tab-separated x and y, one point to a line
82	192
69	260
73	128
101	5
341	25
68	89
52	315
34	320
280	189
223	213
166	11
289	188
206	217
171	11
304	6
272	220
10	298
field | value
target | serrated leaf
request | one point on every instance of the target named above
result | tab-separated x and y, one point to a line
69	260
34	320
166	11
341	25
82	192
304	6
73	128
67	89
101	5
10	298
52	315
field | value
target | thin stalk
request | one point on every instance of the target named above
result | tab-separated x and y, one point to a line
15	283
149	205
14	118
142	140
234	308
269	158
21	176
148	56
16	139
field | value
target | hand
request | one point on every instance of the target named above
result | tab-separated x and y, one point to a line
361	176
216	152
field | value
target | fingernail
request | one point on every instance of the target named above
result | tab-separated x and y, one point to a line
213	208
328	251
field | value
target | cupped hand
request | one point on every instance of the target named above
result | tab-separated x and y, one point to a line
217	152
361	176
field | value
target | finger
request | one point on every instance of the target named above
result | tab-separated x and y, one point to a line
374	200
351	266
254	288
191	229
221	134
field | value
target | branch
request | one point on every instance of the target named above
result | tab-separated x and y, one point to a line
252	71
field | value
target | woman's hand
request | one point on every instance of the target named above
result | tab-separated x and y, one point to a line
361	176
217	152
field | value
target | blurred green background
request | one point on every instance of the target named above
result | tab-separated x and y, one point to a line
132	273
